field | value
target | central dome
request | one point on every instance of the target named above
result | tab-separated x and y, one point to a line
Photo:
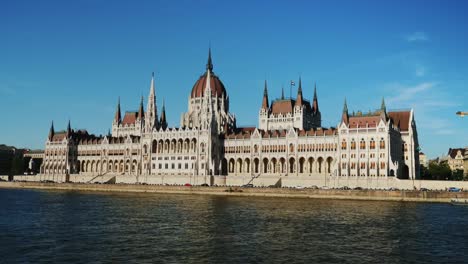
217	87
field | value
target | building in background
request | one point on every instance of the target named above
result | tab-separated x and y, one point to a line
423	159
289	141
455	158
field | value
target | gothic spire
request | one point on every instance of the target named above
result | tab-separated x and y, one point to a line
265	97
141	112
51	131
383	107
345	115
151	109
315	91
118	117
209	64
299	99
282	92
383	110
163	122
315	106
68	129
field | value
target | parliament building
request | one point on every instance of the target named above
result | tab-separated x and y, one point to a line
208	146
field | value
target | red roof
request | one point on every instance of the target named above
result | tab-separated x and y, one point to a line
401	118
282	106
129	118
363	121
217	87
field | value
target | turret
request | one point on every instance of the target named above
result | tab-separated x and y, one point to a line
383	110
345	115
299	99
151	109
141	112
69	131
118	117
51	131
315	107
265	97
209	64
163	121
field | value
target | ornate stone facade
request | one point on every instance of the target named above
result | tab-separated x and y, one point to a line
289	142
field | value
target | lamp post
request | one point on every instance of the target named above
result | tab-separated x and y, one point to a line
462	114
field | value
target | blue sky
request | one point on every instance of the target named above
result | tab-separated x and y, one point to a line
63	60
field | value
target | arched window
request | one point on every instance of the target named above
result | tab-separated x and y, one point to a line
343	144
382	143
362	144
372	144
353	144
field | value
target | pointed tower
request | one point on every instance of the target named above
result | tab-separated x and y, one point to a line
282	92
118	117
265	97
69	131
151	120
345	115
163	121
383	110
51	131
315	107
141	112
299	99
209	64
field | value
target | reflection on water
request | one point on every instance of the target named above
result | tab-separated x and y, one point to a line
79	227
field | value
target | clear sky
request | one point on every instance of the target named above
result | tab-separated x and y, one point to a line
63	60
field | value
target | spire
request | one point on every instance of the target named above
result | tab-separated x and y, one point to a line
209	64
151	109
315	107
315	91
51	131
141	112
208	83
345	115
282	92
299	90
383	107
265	97
163	121
383	110
118	117
299	98
68	129
109	133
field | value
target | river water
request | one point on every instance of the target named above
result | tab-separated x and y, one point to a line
92	227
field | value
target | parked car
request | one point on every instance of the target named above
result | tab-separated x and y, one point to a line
393	189
358	188
299	187
325	188
424	189
188	184
315	187
454	189
205	185
248	185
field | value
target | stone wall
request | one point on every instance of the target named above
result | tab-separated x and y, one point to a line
417	196
261	181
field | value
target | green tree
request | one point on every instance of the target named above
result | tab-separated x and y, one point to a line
457	175
440	171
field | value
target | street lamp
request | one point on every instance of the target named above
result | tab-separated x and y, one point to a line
462	114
